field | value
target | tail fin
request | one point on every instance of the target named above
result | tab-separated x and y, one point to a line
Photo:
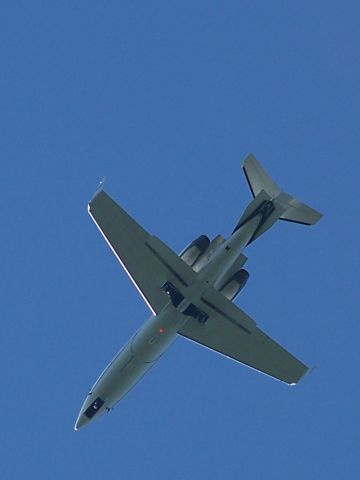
293	210
258	179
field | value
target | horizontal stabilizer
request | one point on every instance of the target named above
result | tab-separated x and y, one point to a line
300	213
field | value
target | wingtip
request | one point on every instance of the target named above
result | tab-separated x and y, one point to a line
99	189
101	183
308	371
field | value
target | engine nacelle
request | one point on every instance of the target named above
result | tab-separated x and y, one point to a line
236	283
193	251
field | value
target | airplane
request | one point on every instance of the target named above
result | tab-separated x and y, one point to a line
191	294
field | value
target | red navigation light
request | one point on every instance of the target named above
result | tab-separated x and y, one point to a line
161	330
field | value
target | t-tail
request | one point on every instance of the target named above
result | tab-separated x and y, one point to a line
270	203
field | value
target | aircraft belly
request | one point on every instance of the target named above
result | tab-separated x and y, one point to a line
119	377
229	252
158	333
137	357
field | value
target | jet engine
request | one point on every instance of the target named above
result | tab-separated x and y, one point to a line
193	251
235	284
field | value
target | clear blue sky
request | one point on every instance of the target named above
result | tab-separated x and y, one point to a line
166	99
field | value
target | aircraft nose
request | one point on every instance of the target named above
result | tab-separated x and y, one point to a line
81	421
89	411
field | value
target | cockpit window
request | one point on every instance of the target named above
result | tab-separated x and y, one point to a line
94	407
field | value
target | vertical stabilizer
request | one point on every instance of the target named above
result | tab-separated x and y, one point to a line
258	179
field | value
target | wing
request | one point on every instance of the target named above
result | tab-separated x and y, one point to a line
231	332
146	259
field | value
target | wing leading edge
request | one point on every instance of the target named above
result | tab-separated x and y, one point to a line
229	331
145	258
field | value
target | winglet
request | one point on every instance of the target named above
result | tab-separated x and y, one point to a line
99	188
